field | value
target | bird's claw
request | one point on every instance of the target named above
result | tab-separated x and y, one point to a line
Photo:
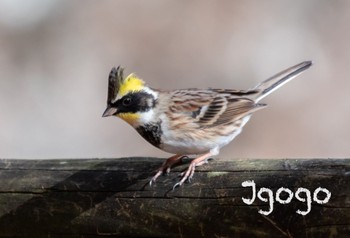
186	175
166	167
154	178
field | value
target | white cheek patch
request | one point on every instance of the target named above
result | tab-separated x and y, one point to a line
146	117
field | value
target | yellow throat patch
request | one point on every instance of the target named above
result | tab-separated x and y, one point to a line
129	117
131	84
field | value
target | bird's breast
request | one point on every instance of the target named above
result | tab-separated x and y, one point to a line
151	132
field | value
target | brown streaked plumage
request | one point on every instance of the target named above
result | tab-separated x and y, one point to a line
188	121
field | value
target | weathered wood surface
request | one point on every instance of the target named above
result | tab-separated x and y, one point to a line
104	197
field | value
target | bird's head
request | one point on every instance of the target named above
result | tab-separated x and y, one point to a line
129	98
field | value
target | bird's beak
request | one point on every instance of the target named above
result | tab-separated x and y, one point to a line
110	111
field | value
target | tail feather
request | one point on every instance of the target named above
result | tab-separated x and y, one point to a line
271	84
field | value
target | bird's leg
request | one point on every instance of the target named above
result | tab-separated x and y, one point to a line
166	166
188	174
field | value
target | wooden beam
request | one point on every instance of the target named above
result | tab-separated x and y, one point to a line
110	197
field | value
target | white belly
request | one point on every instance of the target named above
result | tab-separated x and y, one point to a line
181	144
195	147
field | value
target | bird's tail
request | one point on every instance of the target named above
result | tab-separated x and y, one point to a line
271	84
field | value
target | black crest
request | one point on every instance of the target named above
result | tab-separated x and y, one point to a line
116	77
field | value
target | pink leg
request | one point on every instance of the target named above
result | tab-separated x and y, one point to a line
166	166
188	174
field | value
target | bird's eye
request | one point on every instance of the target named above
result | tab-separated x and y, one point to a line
126	101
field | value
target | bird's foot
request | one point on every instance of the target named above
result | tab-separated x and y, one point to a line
188	174
166	166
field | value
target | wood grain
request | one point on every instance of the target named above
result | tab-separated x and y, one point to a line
110	197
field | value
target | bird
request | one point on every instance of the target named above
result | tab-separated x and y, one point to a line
190	121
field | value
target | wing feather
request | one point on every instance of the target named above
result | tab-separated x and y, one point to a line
209	108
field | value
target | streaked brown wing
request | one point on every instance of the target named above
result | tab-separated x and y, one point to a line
213	107
190	102
227	109
236	109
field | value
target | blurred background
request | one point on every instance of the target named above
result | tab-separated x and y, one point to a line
55	57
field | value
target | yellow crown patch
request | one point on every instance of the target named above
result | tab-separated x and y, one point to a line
130	84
